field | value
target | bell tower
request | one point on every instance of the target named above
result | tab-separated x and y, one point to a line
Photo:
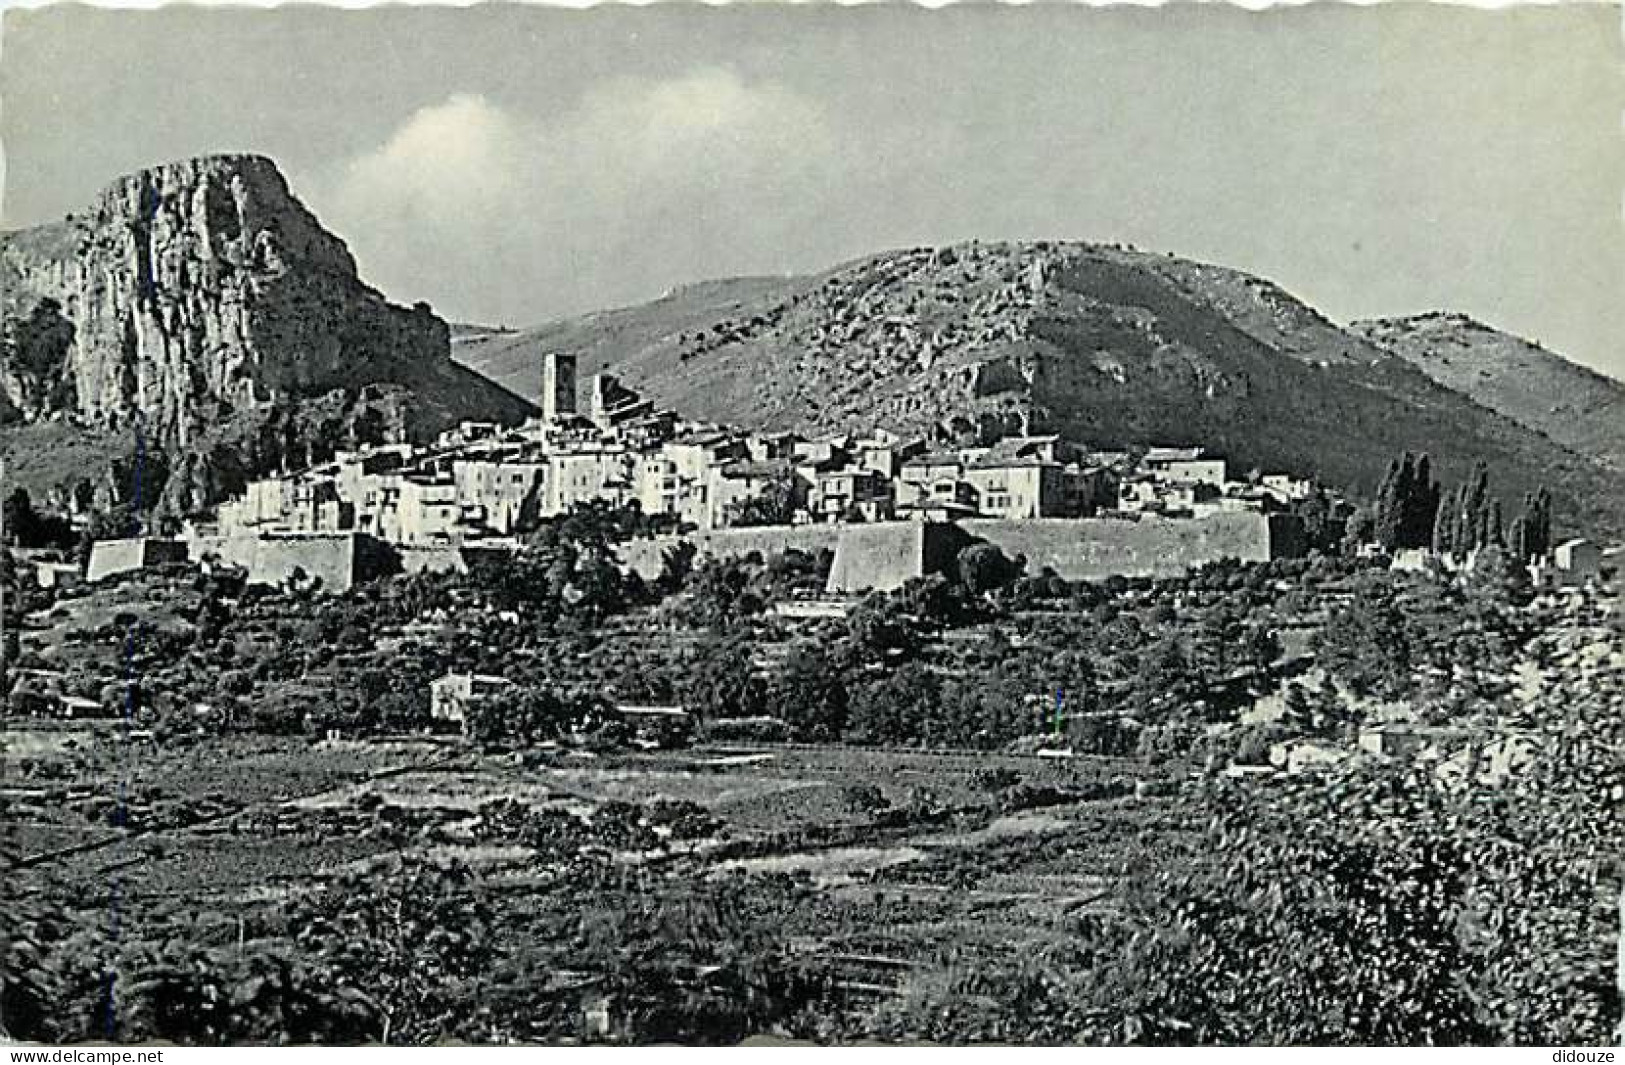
558	385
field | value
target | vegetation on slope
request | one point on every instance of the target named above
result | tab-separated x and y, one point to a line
1107	345
1539	389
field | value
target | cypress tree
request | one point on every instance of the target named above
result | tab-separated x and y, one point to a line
1421	505
1540	523
1391	502
1444	526
1494	533
1474	532
1518	539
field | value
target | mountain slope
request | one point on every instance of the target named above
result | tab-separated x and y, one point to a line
203	303
1104	344
1538	389
603	338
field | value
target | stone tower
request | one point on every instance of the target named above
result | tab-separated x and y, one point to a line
558	385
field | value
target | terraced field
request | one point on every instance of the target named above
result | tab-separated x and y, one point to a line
902	851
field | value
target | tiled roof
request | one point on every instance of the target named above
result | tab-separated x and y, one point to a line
755	468
1175	454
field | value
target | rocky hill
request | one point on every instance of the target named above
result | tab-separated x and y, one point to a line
1579	408
1105	344
202	302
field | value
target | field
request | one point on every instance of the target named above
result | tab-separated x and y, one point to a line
900	851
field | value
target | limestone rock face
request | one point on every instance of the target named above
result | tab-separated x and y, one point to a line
197	327
196	289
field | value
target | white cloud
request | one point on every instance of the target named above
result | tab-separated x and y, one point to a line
642	184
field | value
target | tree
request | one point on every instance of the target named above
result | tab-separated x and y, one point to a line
1261	646
774	504
720	593
983	568
878	627
1407	502
522	716
1315	511
809	693
1164	673
1473	521
412	939
676	563
1501	575
896	708
1421	506
1365	644
717	680
1360	529
1530	535
1388	519
1220	639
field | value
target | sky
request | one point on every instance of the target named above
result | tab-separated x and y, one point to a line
512	164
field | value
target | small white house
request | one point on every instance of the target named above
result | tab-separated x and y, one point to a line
450	695
1579	557
1297	756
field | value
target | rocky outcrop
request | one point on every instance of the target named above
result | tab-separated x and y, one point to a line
204	286
202	299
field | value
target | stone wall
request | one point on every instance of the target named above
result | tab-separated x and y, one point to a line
879	556
340	560
644	556
1094	548
431	560
883	556
108	557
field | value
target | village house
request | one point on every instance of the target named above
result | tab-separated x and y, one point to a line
1580	558
611	405
428	511
450	695
466	432
599	471
1287	488
1190	465
39	693
501	496
111	557
849	492
1402	739
1300	756
53	574
934	478
768	447
678	479
1571	564
736	483
1015	483
885	453
1151	495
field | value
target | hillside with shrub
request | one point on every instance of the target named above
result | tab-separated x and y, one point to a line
1107	345
1535	387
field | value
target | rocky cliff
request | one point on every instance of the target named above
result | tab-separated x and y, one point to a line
203	301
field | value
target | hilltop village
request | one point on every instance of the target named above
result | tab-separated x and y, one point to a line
481	486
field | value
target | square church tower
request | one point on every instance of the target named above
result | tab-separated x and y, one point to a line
558	385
